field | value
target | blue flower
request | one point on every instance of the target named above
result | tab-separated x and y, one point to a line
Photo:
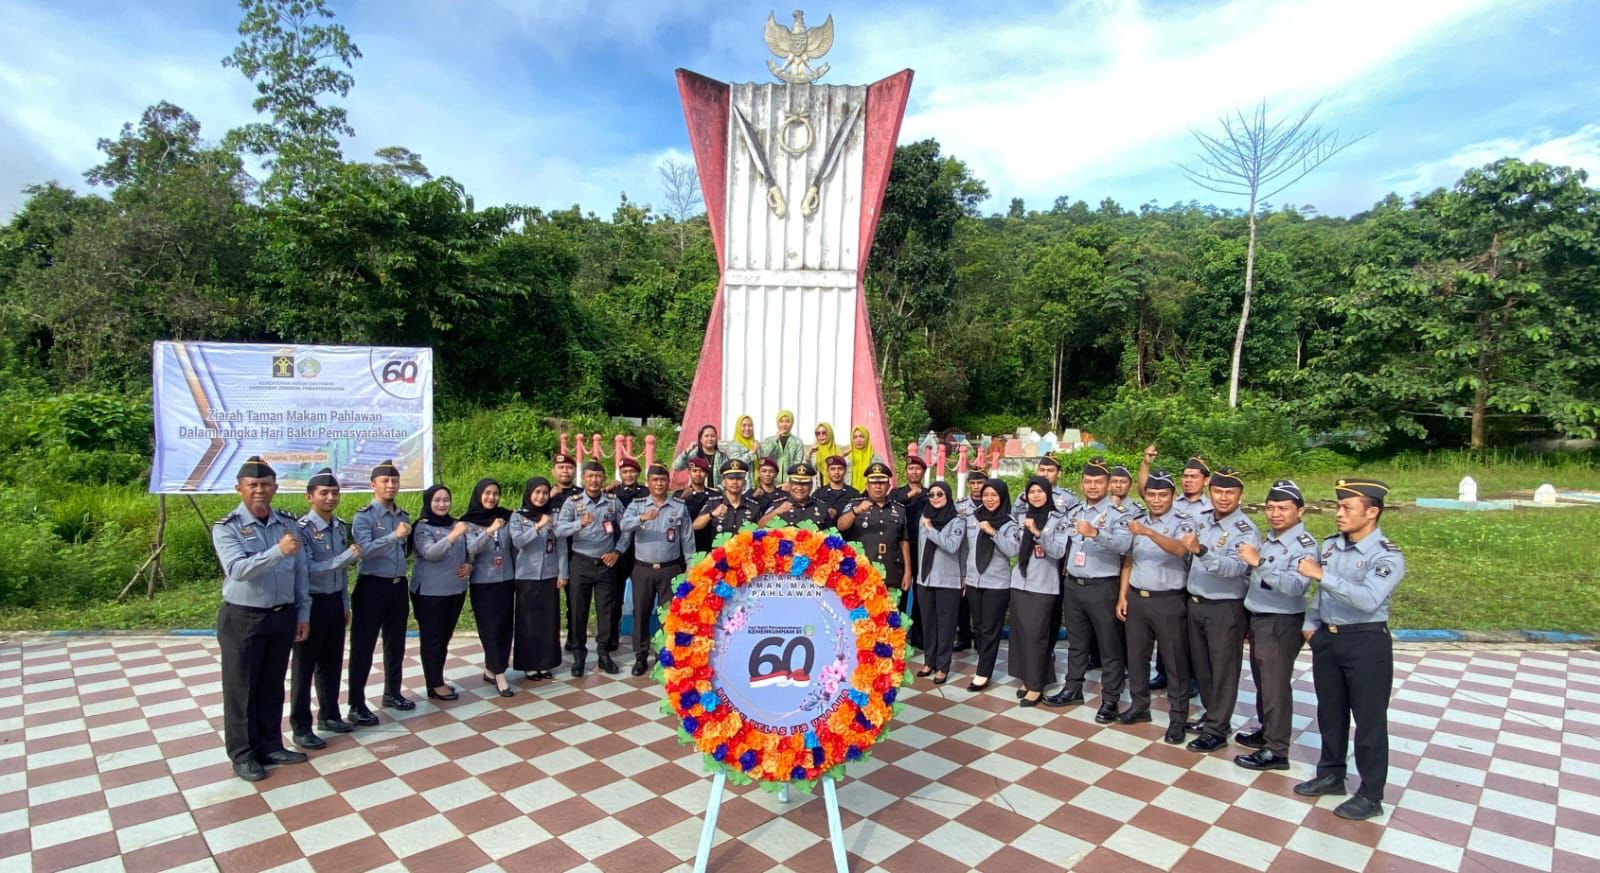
682	639
721	753
786	547
709	700
798	568
883	650
664	658
759	535
816	756
888	696
747	760
683	589
894	619
852	754
722	566
723	590
848	566
811	739
858	697
797	773
859	613
861	719
687	699
691	725
834	541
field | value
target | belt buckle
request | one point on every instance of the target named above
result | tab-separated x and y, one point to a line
1079	580
1194	598
1143	593
1333	628
655	566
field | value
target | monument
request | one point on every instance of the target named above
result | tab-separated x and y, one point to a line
793	173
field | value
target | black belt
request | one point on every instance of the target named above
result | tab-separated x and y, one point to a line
1366	627
260	609
394	580
327	594
1091	580
677	563
1171	592
1198	599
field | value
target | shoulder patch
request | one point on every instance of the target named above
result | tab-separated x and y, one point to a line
367	508
1389	545
1242	525
1382	571
305	522
1306	540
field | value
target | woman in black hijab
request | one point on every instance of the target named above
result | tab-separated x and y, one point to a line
438	584
1038	539
492	593
941	539
988	577
541	562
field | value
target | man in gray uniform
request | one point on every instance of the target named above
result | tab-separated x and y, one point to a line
663	543
1276	602
266	609
592	522
319	658
380	603
1153	606
1217	581
1352	655
1091	572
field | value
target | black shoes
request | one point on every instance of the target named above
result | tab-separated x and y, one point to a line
1021	692
1131	717
1261	759
1062	698
360	716
452	694
1252	740
974	686
1324	784
249	771
1107	713
282	756
1359	808
1206	743
924	673
609	666
310	741
640	667
1175	734
577	669
1027	702
337	725
1196	724
398	701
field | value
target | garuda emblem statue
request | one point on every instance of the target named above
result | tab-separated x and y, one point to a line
797	46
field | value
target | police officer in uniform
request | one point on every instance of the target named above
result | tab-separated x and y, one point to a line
912	498
1098	538
266	609
1276	602
880	527
799	506
592	522
319	658
381	602
564	470
663	541
696	496
1189	503
1352	655
837	494
733	508
1217	581
766	489
1153	607
627	491
1122	486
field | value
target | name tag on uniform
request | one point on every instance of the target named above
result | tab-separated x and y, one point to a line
1038	551
498	561
1079	558
606	525
883	549
672	534
550	545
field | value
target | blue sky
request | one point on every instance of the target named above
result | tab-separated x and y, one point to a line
553	103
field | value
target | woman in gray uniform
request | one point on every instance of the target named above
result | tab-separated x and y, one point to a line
941	540
1038	538
438	584
988	582
541	561
491	590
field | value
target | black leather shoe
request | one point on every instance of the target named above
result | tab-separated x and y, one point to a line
1206	743
1196	724
361	716
1359	808
1175	734
283	756
1252	740
1158	681
974	686
1021	693
1261	759
398	701
1027	702
1325	784
508	691
249	771
1106	714
1062	698
640	667
1131	717
310	741
335	725
449	695
577	669
609	666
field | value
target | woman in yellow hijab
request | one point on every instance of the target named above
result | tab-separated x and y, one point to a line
860	458
745	446
825	447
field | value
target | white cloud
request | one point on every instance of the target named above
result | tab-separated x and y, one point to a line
1580	148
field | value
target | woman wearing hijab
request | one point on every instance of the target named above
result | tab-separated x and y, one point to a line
941	538
1038	539
491	590
860	457
745	446
988	577
438	584
704	448
785	449
541	559
824	448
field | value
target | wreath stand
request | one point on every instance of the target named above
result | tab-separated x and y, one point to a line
708	831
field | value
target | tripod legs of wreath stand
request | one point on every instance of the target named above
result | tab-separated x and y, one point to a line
830	798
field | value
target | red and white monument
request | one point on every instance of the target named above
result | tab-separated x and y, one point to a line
793	174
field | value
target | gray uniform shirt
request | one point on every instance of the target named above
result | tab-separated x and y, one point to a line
1357	581
998	573
604	531
382	552
328	555
255	571
437	560
666	538
1100	555
948	545
1043	575
1153	569
1275	584
492	559
1191	508
1061	497
540	554
1219	574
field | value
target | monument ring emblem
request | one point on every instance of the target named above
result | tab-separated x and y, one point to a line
790	119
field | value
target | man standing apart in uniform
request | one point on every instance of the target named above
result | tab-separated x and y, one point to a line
592	522
766	489
564	470
663	542
912	498
627	491
1217	582
1152	605
838	494
319	658
1190	502
266	609
1352	655
1092	575
380	603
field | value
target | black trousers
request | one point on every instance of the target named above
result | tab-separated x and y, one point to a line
255	646
1216	652
318	660
652	589
1354	675
1032	617
1275	642
963	624
494	612
437	615
591	584
621	573
1089	608
988	608
937	608
378	605
1160	618
538	626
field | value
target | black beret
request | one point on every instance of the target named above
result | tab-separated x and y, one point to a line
736	467
387	468
802	472
1096	467
1197	463
1227	477
1050	462
658	470
977	476
1369	488
1286	489
323	479
1120	470
628	464
255	468
1159	480
878	471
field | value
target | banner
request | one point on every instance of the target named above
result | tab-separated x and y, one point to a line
300	408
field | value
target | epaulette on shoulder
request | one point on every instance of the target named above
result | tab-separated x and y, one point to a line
1242	525
367	508
1306	540
286	516
305	522
1330	539
1389	545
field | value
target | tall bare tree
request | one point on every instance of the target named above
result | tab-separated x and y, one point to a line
1257	158
681	185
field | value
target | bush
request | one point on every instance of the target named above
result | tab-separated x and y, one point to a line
908	421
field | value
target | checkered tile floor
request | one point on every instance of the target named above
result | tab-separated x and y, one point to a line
111	758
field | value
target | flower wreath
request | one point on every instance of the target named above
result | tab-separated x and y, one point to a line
684	645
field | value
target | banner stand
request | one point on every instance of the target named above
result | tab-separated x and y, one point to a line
708	830
151	570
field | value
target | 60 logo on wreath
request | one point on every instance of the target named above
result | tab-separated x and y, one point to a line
770	667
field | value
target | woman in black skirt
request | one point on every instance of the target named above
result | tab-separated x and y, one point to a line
541	562
438	585
1038	538
491	590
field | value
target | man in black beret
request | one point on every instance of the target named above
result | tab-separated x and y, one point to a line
1218	577
319	658
627	490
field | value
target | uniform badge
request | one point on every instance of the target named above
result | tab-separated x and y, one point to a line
1383	571
1222	541
248	530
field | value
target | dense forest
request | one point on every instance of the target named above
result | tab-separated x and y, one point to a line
1467	316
